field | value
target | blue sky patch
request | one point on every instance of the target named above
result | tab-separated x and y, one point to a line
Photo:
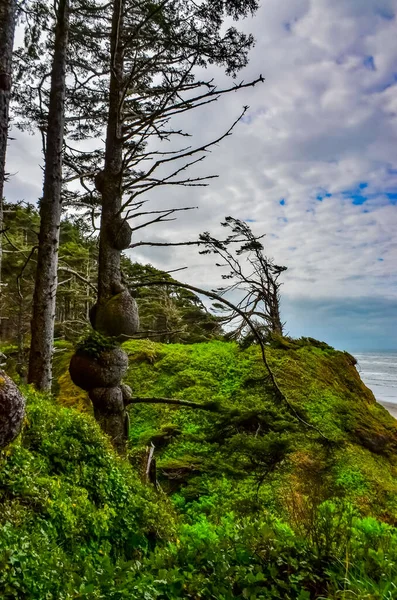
392	197
385	13
323	194
356	195
358	199
369	63
386	85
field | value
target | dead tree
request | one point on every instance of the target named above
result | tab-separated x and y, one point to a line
251	275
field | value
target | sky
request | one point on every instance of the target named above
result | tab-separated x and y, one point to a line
313	165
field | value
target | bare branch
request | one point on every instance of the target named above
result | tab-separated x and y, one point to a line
76	274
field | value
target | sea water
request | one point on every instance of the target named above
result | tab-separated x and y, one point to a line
378	370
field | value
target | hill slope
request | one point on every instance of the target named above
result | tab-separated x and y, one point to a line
332	437
269	499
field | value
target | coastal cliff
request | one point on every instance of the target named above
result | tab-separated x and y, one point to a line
252	494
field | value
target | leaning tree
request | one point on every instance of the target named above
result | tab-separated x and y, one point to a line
250	274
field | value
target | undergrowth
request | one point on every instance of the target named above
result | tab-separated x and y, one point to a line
252	503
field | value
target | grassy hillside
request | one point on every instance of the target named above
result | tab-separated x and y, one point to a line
260	499
330	440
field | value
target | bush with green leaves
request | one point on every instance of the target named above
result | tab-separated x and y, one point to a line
70	507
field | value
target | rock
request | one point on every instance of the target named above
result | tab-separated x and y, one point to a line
103	371
120	234
107	400
118	317
12	410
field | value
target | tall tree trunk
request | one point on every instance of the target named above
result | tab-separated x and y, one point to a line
115	313
109	276
7	28
40	360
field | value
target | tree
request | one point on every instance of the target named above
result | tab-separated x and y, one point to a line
251	274
47	88
7	28
11	402
40	360
154	49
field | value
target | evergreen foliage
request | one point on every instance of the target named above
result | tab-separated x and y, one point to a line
166	315
70	508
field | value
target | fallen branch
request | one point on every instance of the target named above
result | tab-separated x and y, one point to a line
211	406
150	470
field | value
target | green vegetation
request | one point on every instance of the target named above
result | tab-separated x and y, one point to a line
95	343
70	508
262	499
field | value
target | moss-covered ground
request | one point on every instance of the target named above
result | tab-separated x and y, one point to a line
290	498
330	438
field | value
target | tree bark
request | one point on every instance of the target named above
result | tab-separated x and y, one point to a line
12	410
40	360
7	28
109	275
109	183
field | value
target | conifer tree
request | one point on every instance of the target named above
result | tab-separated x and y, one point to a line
155	49
40	361
7	28
47	97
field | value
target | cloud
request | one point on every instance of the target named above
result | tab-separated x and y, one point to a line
313	164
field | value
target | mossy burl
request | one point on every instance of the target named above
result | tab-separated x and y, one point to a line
117	317
105	370
120	234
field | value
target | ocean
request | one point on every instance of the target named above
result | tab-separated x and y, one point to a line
378	370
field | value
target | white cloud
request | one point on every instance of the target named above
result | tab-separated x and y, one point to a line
325	120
